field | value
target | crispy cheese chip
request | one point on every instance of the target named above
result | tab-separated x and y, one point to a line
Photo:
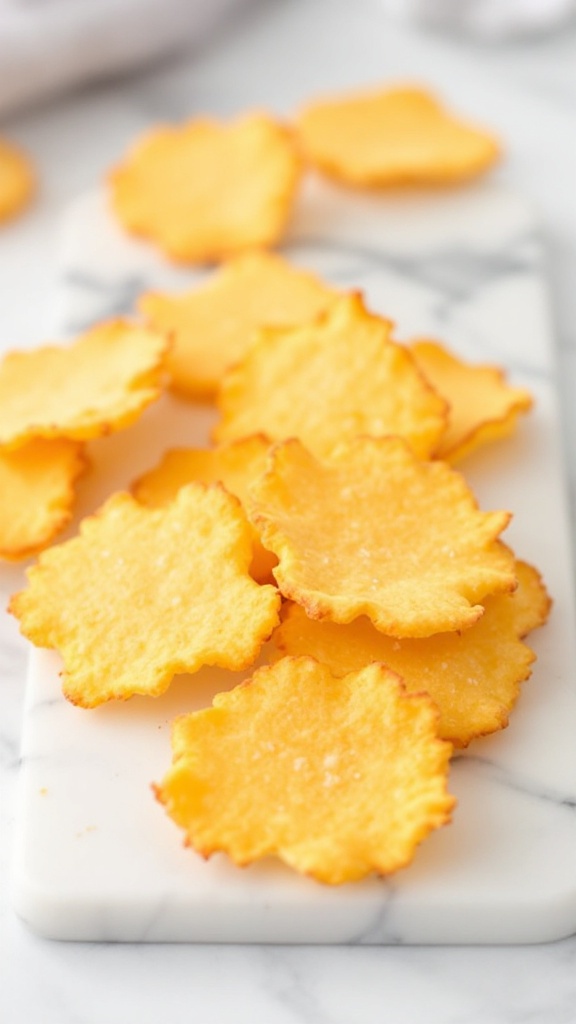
532	602
473	677
235	465
17	180
37	489
213	326
98	384
483	407
337	777
142	594
329	381
399	136
379	533
204	190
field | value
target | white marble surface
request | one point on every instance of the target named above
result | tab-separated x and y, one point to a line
465	265
284	52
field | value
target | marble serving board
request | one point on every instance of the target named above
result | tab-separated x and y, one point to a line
97	858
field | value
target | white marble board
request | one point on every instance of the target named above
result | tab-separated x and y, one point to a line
96	857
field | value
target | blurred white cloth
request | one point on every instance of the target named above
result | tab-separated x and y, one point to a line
49	45
488	19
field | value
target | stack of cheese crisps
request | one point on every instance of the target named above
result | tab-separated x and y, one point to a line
326	515
52	400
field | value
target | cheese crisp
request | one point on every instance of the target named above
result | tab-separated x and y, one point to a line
235	465
399	136
377	532
37	489
328	382
482	406
533	603
337	777
213	326
143	594
204	190
98	384
17	181
473	677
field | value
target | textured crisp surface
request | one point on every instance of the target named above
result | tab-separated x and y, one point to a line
381	534
330	381
98	384
204	189
393	137
143	594
483	407
17	180
236	465
37	492
213	326
337	777
473	677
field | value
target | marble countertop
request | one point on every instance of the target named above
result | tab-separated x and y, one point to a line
528	94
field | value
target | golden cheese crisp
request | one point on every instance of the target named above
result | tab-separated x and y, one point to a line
235	465
482	406
533	602
204	190
37	493
393	136
473	677
329	381
17	180
337	777
213	326
143	594
98	384
378	532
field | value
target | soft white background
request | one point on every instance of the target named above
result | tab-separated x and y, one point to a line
527	93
